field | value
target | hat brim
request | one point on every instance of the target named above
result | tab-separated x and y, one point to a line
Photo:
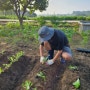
48	37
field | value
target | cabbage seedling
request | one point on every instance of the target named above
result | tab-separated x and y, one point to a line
27	84
41	75
15	58
2	51
76	84
6	66
73	67
44	60
1	70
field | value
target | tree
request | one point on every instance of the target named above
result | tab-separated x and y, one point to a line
23	5
5	5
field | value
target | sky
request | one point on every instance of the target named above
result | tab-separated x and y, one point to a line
66	6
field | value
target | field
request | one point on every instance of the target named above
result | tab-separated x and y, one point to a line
20	68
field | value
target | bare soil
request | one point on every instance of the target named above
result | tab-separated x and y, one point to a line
58	75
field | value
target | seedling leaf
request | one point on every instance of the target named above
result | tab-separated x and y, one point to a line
27	84
73	67
76	84
45	59
1	70
41	75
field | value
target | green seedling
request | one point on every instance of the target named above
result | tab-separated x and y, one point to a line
6	66
1	70
15	58
45	59
27	84
73	67
2	51
41	75
76	84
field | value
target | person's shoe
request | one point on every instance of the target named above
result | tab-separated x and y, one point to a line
62	60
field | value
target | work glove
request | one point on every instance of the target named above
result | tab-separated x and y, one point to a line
42	59
50	62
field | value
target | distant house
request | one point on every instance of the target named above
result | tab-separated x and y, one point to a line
84	25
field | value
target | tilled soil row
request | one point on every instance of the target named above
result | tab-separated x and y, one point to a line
15	75
58	76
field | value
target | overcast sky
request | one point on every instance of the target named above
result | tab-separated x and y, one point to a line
66	6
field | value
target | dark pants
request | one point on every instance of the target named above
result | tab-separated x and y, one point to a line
50	54
65	49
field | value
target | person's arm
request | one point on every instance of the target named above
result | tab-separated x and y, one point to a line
59	52
41	54
41	50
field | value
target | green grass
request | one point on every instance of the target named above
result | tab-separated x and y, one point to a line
12	33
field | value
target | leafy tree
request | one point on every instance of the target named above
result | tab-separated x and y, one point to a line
21	6
5	5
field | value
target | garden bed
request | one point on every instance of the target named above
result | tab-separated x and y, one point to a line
57	77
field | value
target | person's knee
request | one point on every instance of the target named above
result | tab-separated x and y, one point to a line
50	54
67	56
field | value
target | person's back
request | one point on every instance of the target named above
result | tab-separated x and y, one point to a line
59	40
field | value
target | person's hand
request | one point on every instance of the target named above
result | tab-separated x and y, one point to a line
50	62
42	59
